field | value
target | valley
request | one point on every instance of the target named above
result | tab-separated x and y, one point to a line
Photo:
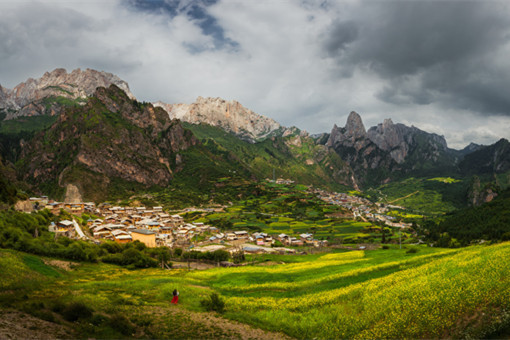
108	204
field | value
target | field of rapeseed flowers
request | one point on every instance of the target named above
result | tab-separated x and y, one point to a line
386	293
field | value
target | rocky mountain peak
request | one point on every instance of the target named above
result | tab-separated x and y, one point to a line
399	140
387	123
354	127
31	97
229	115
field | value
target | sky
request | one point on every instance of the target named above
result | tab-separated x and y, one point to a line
442	66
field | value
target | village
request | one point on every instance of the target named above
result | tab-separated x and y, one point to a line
155	227
361	207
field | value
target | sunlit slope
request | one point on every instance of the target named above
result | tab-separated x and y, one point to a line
392	293
449	293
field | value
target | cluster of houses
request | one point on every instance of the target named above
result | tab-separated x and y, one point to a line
360	207
151	226
305	239
280	181
43	202
154	227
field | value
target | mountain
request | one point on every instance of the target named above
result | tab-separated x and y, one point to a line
229	115
472	147
492	159
110	140
370	163
9	193
488	221
103	140
400	140
54	90
294	156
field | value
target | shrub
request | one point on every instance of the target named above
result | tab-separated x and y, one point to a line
213	303
98	319
121	324
412	251
75	311
58	307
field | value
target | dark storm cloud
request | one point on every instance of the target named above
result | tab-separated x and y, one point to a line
430	52
342	33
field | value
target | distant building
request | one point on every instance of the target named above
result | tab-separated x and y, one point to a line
145	236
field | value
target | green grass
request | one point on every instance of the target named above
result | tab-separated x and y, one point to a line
387	293
26	124
432	196
36	264
445	180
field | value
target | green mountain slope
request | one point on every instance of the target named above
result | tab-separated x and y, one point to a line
436	195
293	157
110	143
490	221
490	159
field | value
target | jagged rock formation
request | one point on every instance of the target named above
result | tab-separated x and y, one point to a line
419	148
353	146
229	115
47	94
110	138
397	139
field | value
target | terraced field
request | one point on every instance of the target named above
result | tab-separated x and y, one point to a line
392	293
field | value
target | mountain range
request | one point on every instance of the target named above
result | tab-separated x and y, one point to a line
98	138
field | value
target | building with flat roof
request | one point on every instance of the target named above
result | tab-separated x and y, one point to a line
145	236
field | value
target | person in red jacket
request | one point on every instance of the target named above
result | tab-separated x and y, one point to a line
176	296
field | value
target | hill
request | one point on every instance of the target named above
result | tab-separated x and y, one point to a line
362	294
489	221
110	141
295	156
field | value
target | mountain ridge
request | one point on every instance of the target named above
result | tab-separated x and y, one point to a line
227	114
349	156
110	137
37	96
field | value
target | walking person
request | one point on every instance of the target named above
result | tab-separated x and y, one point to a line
176	296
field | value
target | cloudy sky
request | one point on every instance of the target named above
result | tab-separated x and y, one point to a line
443	66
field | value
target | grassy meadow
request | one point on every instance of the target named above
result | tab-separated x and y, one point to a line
416	292
429	196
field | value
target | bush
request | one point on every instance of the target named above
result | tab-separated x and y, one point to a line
385	247
121	324
58	307
75	311
214	303
98	319
412	251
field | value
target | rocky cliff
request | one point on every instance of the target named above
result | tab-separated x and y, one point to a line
401	141
478	194
229	115
111	138
370	163
46	95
